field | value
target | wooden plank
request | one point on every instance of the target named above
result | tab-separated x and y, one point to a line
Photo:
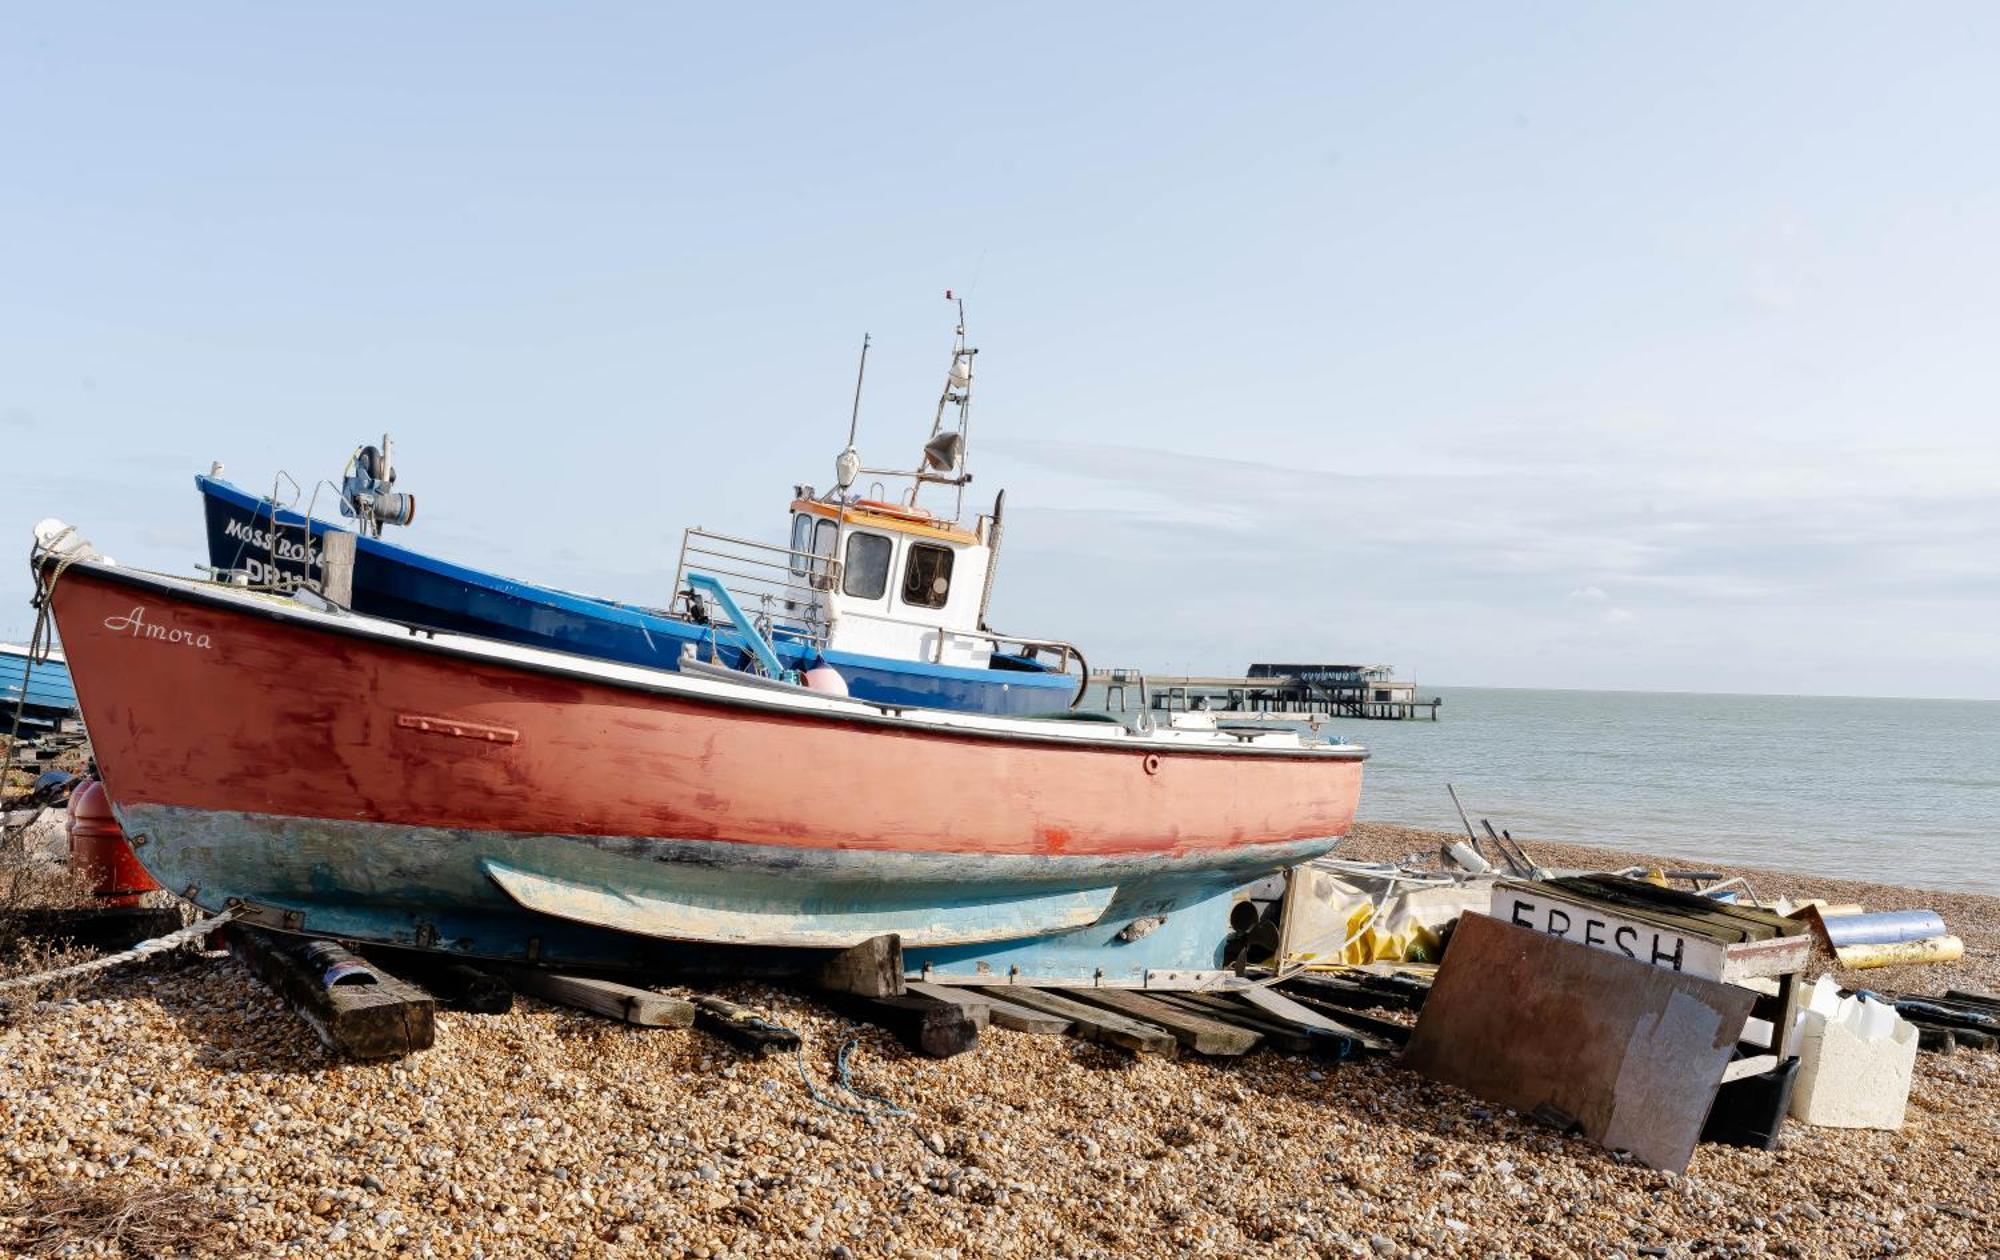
1755	1065
1381	1029
1201	1033
384	1020
1279	1034
468	988
1094	1023
1013	1016
977	1006
641	1007
1366	1033
1746	923
458	985
1358	992
924	1024
742	1027
1778	956
874	968
1660	940
337	567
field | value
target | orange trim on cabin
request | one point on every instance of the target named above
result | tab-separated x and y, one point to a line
879	520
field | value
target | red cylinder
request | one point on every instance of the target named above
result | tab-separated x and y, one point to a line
99	850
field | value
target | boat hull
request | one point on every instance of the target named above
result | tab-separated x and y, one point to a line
39	692
350	779
408	586
584	900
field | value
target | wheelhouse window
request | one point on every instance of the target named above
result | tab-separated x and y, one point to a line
927	576
802	532
824	534
866	574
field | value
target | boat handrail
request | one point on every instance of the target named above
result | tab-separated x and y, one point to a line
768	575
1065	652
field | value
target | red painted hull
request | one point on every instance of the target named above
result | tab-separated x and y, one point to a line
208	704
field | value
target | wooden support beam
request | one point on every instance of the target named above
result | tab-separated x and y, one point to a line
1385	1033
1094	1023
1280	1036
874	968
1015	1017
468	988
457	985
1357	992
1201	1033
924	1024
977	1006
742	1027
1369	1034
384	1020
1962	1037
641	1007
1972	998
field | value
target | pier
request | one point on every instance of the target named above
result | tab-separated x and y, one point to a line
1272	692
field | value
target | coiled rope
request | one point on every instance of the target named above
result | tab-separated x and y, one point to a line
871	1104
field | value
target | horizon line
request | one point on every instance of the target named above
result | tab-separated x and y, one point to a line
1747	695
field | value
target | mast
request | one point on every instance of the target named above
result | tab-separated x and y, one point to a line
943	457
946	452
848	466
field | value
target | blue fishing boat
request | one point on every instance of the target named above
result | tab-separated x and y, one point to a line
38	690
883	598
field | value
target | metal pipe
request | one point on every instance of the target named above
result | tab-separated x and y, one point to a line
1886	928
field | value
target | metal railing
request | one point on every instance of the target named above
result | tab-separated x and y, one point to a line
1065	652
1030	648
766	577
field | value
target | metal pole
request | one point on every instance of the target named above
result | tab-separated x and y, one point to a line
854	419
1470	834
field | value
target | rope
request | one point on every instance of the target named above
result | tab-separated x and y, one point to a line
144	949
42	643
887	1108
840	1066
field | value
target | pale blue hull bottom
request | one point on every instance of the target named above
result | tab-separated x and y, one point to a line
705	907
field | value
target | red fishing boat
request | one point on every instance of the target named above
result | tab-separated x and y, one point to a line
334	774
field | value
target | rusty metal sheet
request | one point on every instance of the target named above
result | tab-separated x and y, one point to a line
1628	1054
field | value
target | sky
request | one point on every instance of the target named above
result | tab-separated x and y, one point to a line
1637	347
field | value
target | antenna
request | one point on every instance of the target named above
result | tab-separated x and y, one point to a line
958	381
847	466
957	389
854	420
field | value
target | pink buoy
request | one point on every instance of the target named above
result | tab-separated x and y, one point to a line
826	680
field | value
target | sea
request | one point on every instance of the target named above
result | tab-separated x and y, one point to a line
1895	791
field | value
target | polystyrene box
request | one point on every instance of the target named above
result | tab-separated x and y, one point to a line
1855	1061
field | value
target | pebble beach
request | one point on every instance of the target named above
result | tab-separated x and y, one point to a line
187	1087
